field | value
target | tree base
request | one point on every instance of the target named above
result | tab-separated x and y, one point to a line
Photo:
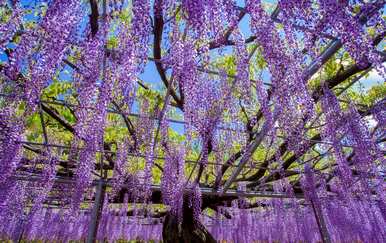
190	231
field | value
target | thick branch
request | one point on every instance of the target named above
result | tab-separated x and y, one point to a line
94	17
129	125
58	118
158	30
224	39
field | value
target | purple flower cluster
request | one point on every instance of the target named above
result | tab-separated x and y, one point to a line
333	133
209	18
292	102
242	64
45	185
14	198
262	224
124	67
357	42
91	115
140	30
11	132
172	182
120	170
51	225
55	32
9	29
196	15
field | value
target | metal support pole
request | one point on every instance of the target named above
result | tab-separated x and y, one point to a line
324	235
101	186
96	212
247	155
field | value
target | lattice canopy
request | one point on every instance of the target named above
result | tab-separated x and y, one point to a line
192	120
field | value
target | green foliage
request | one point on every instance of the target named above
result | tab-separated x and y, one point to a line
34	125
226	63
5	14
334	65
112	43
115	133
125	16
373	95
152	96
57	88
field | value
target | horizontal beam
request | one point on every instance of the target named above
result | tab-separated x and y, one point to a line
204	190
63	103
112	152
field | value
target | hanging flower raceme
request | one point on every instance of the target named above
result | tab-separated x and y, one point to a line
86	83
11	134
224	16
242	65
209	18
196	14
303	13
208	104
104	99
172	182
93	142
131	59
125	67
204	99
22	55
44	186
366	149
183	62
14	198
221	14
332	134
9	29
263	27
292	101
146	137
132	51
120	165
309	186
92	113
140	30
379	113
195	203
366	157
350	31
56	28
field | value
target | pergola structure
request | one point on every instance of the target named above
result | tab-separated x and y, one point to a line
237	169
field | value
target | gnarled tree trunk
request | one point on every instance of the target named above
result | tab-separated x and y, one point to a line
189	231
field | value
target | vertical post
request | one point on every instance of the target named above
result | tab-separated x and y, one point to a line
321	223
312	196
20	239
98	203
96	211
101	186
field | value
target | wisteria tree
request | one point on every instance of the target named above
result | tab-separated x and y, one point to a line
192	120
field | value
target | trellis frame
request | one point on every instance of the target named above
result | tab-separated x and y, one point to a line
329	51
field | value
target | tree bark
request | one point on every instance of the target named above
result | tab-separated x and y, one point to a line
189	230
